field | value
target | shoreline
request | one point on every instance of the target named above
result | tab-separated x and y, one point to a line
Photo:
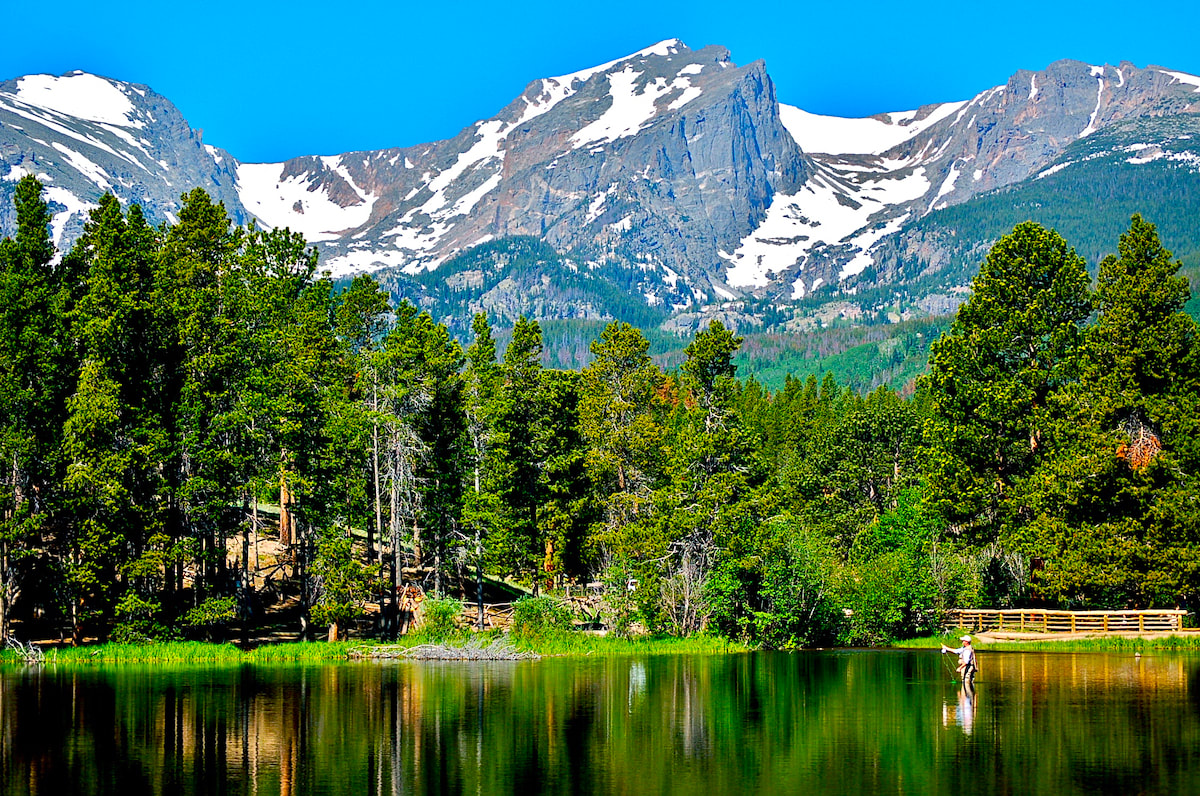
562	646
993	641
581	646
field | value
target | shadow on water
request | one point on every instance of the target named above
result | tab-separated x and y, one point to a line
828	722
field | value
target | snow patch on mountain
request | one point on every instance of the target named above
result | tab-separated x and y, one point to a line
80	95
1091	125
947	185
822	213
84	166
556	89
365	261
71	205
1183	77
38	115
631	110
836	135
491	134
295	203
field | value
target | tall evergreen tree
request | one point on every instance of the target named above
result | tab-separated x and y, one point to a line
1124	445
992	375
363	317
113	434
481	391
520	456
36	374
622	423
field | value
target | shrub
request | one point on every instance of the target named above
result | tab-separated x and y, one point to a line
213	616
439	617
891	596
139	621
799	592
538	618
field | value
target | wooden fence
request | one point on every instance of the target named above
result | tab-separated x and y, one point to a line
495	615
1031	620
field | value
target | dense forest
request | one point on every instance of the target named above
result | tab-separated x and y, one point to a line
170	396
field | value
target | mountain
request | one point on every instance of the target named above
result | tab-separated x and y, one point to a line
650	164
84	135
879	180
669	186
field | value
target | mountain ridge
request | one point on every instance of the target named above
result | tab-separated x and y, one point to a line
672	173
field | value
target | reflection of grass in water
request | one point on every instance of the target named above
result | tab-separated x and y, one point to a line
1183	643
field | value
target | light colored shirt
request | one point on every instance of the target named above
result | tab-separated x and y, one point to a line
965	653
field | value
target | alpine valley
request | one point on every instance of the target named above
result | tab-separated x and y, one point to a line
666	188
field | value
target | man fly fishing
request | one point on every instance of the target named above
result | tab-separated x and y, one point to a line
967	666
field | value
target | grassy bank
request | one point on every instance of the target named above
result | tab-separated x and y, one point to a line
1189	642
191	652
590	644
315	651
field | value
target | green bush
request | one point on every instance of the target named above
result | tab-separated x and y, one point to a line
439	617
799	592
213	613
139	621
142	631
890	596
539	618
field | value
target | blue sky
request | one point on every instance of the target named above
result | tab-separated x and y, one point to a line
273	80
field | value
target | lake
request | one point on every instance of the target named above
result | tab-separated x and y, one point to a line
813	722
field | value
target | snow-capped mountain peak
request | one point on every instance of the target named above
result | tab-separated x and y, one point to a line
82	96
83	135
670	174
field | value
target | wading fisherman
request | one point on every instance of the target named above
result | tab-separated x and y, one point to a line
966	658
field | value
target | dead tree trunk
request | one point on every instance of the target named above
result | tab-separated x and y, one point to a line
287	523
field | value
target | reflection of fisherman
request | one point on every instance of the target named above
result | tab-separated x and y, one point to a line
964	714
967	665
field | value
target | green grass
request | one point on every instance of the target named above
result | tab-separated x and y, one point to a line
950	639
193	652
589	644
315	651
1183	643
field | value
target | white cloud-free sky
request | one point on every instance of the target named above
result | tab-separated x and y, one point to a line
271	80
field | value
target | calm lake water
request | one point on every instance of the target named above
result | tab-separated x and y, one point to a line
816	722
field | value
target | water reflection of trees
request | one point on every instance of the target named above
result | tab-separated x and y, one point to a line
840	722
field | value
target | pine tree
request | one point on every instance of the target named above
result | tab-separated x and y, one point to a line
481	390
1122	447
113	434
993	373
621	423
36	373
520	456
363	317
203	307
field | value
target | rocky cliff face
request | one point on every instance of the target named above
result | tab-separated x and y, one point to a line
877	176
655	161
84	135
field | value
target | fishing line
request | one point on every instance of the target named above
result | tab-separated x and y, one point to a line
951	668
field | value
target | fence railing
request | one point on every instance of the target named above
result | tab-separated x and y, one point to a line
496	616
1039	621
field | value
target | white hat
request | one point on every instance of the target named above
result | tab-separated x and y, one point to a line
965	638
